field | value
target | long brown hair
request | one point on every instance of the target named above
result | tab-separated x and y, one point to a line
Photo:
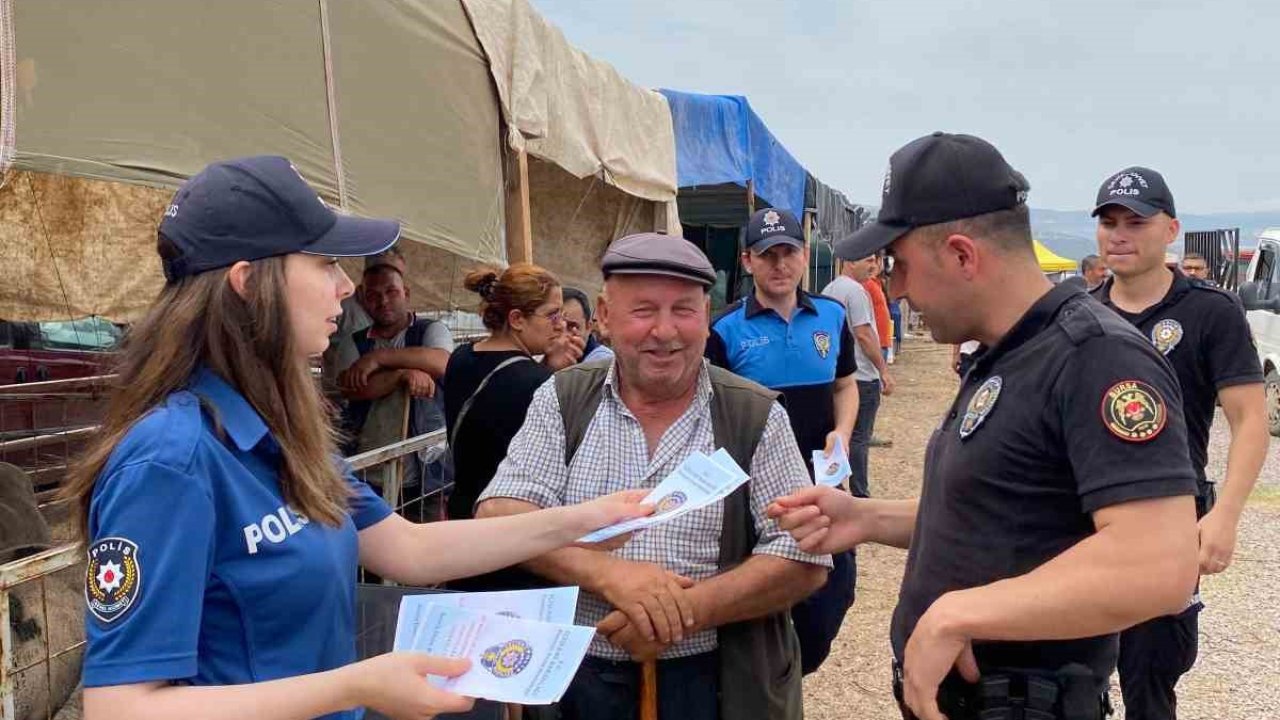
522	286
201	320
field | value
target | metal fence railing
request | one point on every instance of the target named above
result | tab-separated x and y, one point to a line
41	632
1221	251
42	424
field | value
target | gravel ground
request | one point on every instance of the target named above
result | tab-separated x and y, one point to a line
1237	676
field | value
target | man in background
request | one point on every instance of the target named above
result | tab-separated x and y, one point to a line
1093	270
872	375
880	307
1194	265
401	358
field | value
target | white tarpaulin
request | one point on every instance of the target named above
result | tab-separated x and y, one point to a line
563	106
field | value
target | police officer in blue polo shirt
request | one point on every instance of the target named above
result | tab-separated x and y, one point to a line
222	534
800	345
787	339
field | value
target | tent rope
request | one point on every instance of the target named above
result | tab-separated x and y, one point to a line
53	258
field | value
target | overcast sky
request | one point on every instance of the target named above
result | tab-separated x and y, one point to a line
1069	90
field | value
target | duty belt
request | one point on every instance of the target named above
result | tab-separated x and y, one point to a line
1068	694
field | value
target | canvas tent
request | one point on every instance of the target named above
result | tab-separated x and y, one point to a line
453	117
1051	262
833	218
599	151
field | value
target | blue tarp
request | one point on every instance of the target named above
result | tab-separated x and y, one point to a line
719	139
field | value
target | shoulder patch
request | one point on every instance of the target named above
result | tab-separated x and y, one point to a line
113	578
1134	411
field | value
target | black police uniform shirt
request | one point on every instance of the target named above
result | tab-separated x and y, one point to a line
801	358
1071	412
1202	331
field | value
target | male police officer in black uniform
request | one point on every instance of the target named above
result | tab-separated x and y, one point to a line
1201	330
1057	505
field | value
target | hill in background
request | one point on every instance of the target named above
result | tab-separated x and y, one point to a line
1070	233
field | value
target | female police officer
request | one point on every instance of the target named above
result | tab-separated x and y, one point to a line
223	538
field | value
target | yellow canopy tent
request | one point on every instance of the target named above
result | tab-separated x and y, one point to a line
1050	261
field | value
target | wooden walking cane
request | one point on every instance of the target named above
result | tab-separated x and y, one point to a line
649	690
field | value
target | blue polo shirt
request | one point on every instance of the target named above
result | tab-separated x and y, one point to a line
198	571
801	358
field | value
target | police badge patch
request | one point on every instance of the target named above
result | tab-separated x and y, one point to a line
508	659
1133	411
1166	334
822	342
980	406
112	578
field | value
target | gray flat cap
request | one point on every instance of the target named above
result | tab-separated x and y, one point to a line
657	254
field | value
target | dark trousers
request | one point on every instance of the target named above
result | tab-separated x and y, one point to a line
688	689
860	442
1155	654
818	617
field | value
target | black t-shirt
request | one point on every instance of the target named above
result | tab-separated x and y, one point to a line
1072	411
1202	331
494	417
800	358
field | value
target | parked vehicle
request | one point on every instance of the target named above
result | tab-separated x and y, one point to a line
57	350
1260	294
39	365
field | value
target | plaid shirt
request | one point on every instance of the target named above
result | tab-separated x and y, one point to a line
614	456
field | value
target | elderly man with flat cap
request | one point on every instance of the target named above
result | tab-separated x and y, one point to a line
707	593
1057	506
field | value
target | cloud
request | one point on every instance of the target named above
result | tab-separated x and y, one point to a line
1068	91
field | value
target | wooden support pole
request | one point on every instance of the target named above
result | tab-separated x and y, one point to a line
808	244
649	690
662	218
519	222
751	198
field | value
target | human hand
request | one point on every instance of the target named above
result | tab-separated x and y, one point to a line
608	510
652	598
931	652
822	520
832	436
1217	540
357	376
564	350
419	383
888	384
395	685
619	631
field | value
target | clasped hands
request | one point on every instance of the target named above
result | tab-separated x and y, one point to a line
653	609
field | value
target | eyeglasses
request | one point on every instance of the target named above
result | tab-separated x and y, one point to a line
553	317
